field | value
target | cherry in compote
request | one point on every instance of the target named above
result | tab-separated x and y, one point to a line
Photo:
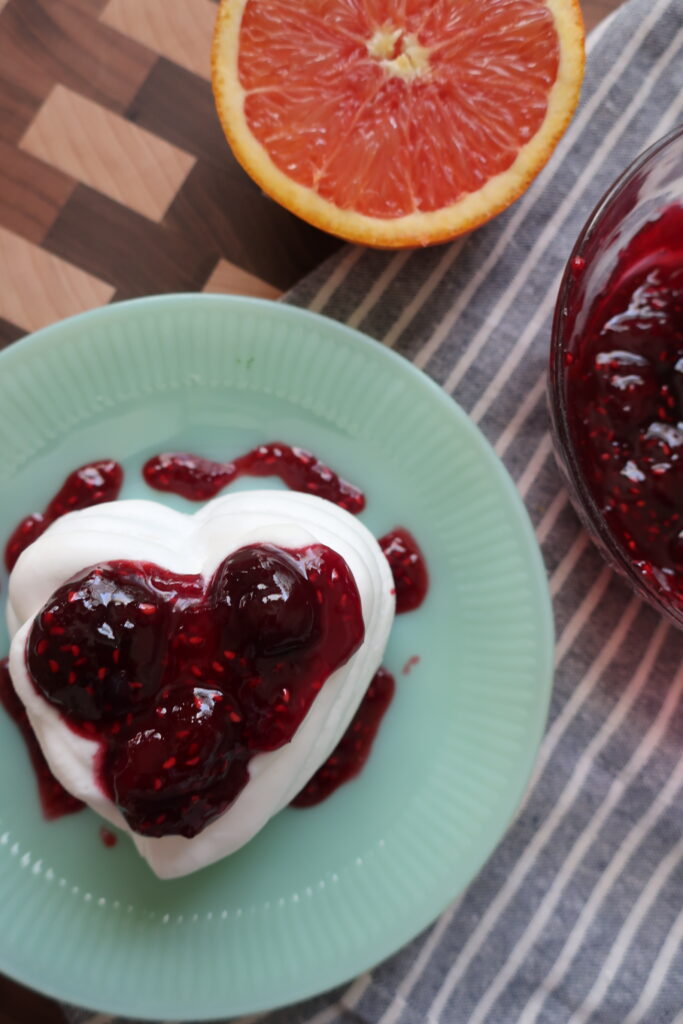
96	649
250	590
183	680
180	765
624	397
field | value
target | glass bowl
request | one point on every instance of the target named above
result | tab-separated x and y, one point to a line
625	236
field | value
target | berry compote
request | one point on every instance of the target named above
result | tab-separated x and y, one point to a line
408	567
92	484
183	680
124	649
353	749
54	799
624	401
198	479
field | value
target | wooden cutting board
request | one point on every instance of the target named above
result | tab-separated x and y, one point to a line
115	178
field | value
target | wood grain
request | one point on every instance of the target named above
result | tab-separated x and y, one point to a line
221	210
228	279
177	105
50	41
176	29
126	163
31	193
62	290
8	333
139	257
595	10
39	288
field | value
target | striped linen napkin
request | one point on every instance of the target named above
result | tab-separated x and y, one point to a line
578	915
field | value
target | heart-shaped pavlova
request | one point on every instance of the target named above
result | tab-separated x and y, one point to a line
186	675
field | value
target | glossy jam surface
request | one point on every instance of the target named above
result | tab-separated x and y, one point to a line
182	681
408	567
54	799
109	643
92	484
624	396
353	750
199	479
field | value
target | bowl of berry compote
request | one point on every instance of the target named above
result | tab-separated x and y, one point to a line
616	375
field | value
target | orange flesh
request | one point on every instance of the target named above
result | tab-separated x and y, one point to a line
324	98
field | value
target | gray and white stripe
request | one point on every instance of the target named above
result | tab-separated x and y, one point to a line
578	916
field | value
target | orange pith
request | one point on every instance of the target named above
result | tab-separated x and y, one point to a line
396	122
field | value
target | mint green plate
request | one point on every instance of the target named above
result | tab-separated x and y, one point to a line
321	894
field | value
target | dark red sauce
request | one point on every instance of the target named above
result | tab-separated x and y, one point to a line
182	681
199	479
410	664
408	568
91	484
54	799
578	265
108	838
353	750
163	634
624	395
194	477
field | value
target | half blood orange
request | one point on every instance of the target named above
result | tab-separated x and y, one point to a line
396	122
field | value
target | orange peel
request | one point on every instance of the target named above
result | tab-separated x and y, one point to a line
396	123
